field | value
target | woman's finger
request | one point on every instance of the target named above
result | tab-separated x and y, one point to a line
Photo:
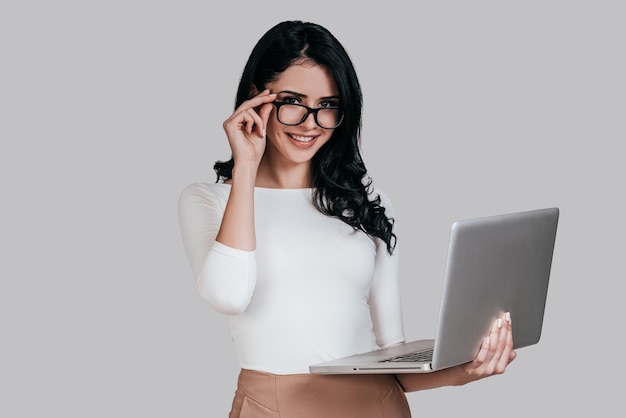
501	339
264	113
242	120
488	350
508	353
254	102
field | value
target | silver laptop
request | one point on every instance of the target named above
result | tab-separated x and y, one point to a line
495	264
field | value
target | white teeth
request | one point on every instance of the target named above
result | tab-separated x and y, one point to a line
302	138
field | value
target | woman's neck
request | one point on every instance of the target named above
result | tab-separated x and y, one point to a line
295	177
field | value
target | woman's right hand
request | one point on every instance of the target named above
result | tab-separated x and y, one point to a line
245	128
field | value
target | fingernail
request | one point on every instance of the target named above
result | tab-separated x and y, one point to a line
499	322
508	317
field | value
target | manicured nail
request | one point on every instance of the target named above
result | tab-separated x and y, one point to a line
508	317
499	322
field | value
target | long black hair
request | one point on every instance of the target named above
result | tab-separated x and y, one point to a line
342	187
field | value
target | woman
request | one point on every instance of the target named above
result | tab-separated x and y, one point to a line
298	248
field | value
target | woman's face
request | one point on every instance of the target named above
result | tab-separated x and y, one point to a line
306	84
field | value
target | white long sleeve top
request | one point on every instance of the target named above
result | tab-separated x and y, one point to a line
313	290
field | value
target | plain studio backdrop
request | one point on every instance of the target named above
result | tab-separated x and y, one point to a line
109	109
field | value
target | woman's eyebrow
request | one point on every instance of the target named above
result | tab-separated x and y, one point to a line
293	93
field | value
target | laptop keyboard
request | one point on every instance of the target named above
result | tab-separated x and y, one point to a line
423	355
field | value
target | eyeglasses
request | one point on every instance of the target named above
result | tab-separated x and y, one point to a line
292	114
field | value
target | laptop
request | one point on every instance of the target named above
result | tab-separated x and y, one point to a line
495	264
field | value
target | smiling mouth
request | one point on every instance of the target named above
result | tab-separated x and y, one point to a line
300	138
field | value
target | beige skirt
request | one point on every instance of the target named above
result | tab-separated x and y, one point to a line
266	395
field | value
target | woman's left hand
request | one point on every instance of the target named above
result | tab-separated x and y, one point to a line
494	355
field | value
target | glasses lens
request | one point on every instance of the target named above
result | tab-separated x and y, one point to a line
329	118
291	114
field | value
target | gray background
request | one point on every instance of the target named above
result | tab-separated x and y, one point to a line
109	109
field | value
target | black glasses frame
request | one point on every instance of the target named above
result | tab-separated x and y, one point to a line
309	110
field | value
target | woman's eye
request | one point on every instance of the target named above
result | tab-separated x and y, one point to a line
329	104
291	100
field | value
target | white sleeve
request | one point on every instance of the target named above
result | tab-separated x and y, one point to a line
225	276
384	300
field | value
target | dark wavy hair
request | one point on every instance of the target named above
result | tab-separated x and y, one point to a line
342	187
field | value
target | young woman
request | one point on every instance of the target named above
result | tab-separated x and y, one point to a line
295	244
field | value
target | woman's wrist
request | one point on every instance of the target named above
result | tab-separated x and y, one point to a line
244	175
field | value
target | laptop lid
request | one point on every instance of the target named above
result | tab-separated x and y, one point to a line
495	264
